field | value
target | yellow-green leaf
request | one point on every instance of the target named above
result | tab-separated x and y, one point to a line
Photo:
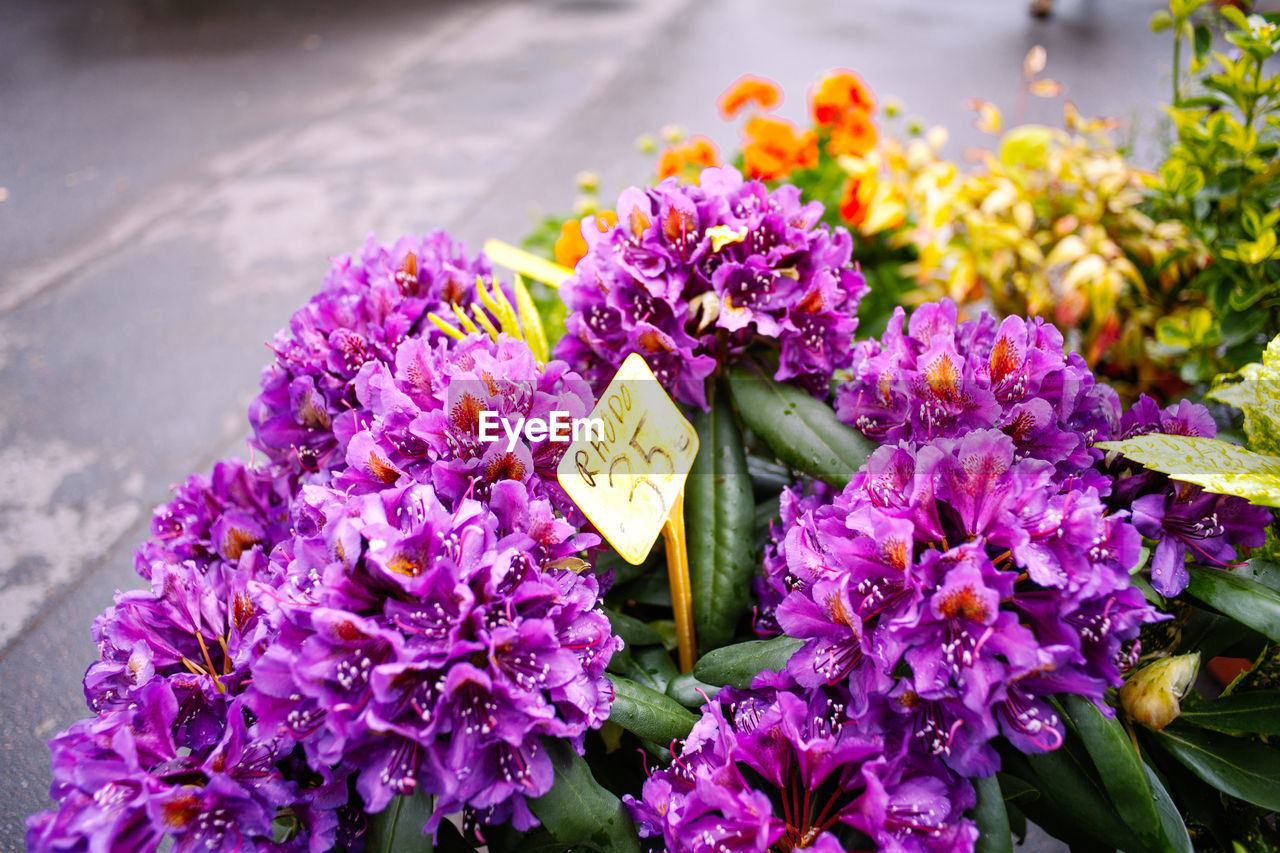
1255	390
1220	467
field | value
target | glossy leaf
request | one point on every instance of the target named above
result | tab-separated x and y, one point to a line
647	713
736	665
1254	713
632	631
1218	466
1175	828
1242	599
1255	390
577	810
991	817
1244	769
719	512
1120	769
690	692
398	827
802	431
1073	804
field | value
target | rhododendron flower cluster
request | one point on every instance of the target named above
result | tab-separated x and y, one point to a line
418	418
692	275
379	611
170	752
368	306
781	767
415	645
943	379
976	575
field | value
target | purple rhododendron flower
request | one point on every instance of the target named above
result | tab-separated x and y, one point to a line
421	646
370	304
693	274
943	378
421	419
781	767
130	778
967	583
207	545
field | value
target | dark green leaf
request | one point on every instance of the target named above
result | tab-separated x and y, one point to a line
577	810
736	665
690	692
398	827
719	511
1244	769
1175	829
1120	769
1012	788
1203	42
651	588
657	663
802	431
647	713
1256	713
1073	804
1264	571
1244	600
632	631
992	819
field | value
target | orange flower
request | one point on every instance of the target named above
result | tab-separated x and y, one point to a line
571	247
837	94
775	147
745	90
853	205
855	134
688	158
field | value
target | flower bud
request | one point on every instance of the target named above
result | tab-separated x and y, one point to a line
1151	695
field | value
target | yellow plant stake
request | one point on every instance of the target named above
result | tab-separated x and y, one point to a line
678	577
539	269
627	474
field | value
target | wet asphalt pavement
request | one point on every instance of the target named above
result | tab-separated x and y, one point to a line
175	174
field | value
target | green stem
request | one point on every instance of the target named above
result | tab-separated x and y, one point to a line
1177	61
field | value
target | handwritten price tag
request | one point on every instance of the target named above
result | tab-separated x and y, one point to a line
629	479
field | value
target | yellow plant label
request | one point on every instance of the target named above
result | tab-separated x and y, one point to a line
628	472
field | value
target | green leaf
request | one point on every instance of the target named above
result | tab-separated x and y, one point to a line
1254	713
1073	804
398	827
1120	769
1261	569
1255	390
1242	768
802	431
1203	43
647	713
719	512
577	810
1175	828
1242	599
991	817
736	665
1220	467
653	667
690	692
632	631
